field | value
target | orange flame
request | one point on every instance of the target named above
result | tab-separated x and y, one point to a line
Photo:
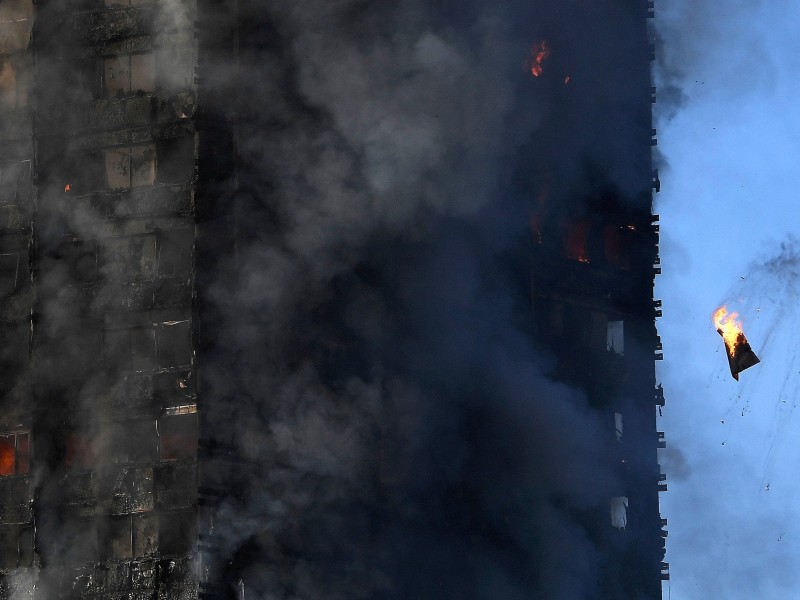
7	455
576	246
67	188
728	326
539	52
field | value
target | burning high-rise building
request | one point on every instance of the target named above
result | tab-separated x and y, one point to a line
328	300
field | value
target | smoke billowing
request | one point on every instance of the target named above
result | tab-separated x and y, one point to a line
341	294
371	332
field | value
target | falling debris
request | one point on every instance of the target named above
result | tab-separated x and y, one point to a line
740	354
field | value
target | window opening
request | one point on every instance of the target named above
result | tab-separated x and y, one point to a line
178	436
615	338
618	426
9	267
14	454
577	242
130	167
129	73
14	182
619	512
175	252
174	344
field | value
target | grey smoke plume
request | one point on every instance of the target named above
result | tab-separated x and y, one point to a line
371	325
708	47
364	333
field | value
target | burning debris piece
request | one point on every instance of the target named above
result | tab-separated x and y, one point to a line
539	52
740	354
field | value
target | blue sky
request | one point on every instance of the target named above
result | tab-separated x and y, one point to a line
729	200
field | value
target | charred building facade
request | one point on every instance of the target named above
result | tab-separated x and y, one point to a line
327	300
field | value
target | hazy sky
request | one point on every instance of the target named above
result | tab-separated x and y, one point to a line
728	209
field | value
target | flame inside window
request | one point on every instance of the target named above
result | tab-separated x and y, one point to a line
576	242
7	455
14	454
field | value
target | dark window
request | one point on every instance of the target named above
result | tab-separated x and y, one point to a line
130	166
129	74
77	542
14	354
85	347
142	256
81	451
177	533
174	344
81	260
9	266
145	534
173	389
143	348
597	331
143	441
120	537
14	453
16	546
175	252
84	174
131	536
178	436
130	258
132	349
134	441
87	78
176	160
551	318
617	244
15	182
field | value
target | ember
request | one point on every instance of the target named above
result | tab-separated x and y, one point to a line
539	52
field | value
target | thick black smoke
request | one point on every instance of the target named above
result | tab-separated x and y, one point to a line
368	326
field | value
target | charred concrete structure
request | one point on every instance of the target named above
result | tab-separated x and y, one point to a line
327	300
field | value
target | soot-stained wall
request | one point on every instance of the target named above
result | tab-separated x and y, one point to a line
99	420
